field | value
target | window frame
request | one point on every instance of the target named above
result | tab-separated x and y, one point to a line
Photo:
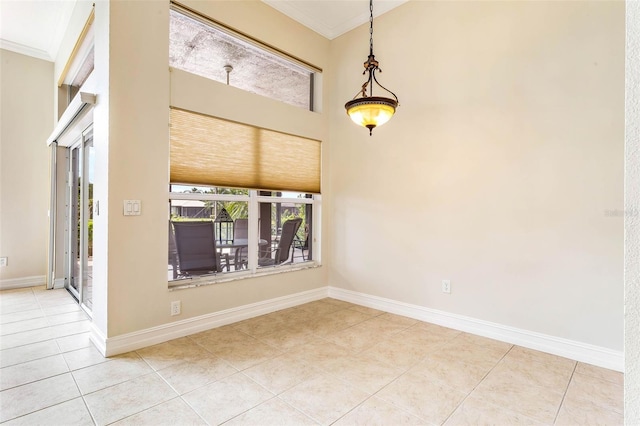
254	199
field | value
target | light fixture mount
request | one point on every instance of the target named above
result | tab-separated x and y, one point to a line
367	110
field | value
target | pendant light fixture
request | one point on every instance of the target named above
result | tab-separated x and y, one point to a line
367	110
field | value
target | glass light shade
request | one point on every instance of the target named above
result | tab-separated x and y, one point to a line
372	111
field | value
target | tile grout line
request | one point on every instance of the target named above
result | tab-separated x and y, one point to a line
564	394
478	384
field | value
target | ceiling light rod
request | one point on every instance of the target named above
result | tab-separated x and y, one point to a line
371	111
228	69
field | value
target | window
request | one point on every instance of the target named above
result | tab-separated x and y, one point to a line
242	232
200	46
78	67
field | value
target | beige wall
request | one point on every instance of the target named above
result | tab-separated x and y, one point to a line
26	121
498	169
132	157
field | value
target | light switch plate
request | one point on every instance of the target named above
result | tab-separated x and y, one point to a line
132	207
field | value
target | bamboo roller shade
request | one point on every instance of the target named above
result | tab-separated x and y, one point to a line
207	150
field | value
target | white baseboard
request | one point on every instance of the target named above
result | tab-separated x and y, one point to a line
583	352
110	346
58	283
22	282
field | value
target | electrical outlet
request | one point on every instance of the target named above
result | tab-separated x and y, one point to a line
446	286
175	307
4	261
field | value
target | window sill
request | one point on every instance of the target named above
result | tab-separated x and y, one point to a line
243	275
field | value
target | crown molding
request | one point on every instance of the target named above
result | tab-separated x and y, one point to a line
25	50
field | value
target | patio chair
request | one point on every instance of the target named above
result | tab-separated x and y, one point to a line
173	252
196	248
281	252
301	244
241	229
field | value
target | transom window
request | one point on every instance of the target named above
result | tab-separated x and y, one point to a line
202	47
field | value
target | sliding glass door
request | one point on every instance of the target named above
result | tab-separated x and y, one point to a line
80	220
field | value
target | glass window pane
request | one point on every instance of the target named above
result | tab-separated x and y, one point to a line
205	236
287	228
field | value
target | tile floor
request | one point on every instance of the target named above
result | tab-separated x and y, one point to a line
325	362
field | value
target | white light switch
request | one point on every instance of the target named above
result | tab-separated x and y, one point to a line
132	207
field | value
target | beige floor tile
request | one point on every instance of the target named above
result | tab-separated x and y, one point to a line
381	326
10	307
35	396
273	412
26	325
583	412
346	316
288	337
318	353
119	369
62	309
593	390
69	413
20	316
227	398
319	307
295	316
531	401
398	353
340	303
483	341
366	310
399	319
85	357
246	354
172	352
74	342
363	372
475	412
65	318
519	353
325	326
42	334
281	373
430	400
171	413
469	353
377	412
436	330
456	374
28	353
323	398
32	371
193	374
355	339
221	336
600	373
259	326
420	338
554	377
131	397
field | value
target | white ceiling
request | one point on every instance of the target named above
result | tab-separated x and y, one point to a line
36	27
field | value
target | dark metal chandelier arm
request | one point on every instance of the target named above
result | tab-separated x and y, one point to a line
394	95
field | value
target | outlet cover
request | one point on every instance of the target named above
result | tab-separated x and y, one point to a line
4	261
175	308
446	286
